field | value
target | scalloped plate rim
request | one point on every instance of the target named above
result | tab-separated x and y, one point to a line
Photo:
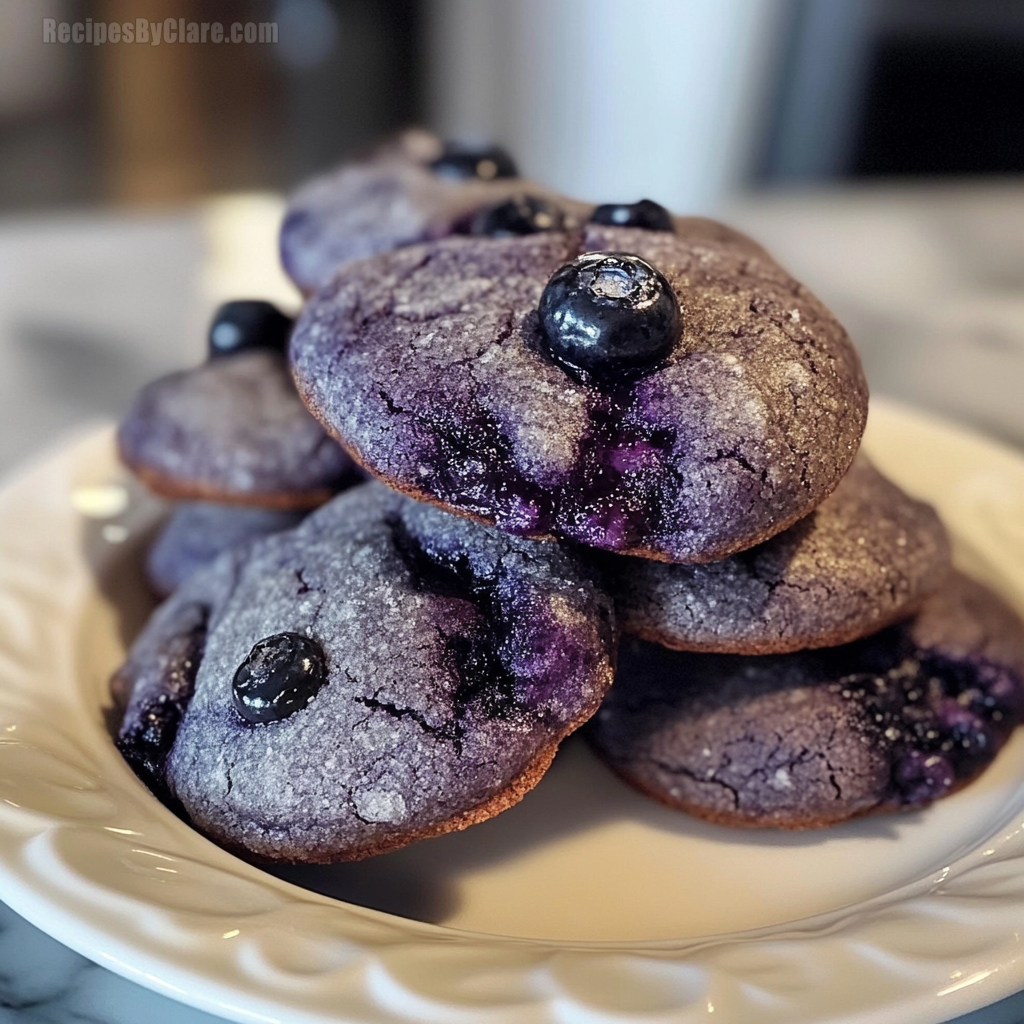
41	904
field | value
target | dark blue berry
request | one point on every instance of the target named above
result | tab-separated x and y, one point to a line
609	314
246	324
484	162
281	675
645	214
521	215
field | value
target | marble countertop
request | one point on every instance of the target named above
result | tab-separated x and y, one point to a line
930	282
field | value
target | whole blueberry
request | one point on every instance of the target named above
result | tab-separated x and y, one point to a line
484	162
245	324
645	214
281	675
609	314
520	215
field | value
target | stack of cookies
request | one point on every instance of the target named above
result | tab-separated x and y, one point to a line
598	437
231	444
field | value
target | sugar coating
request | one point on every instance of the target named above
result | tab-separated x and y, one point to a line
234	430
866	557
429	366
391	200
458	658
198	531
889	722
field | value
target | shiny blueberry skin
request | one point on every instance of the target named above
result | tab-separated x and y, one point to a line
521	215
486	163
281	675
247	324
645	214
609	314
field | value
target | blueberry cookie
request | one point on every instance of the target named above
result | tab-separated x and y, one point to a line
234	429
413	190
865	558
669	394
382	673
889	722
198	531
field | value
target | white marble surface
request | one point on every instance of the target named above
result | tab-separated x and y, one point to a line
43	981
929	281
92	305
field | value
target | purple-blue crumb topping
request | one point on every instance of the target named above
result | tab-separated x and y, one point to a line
806	739
613	498
941	719
159	699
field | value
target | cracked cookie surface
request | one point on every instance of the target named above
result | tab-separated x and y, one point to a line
866	557
428	365
457	659
889	722
232	430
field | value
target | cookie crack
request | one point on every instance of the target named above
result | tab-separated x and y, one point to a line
505	331
393	407
704	780
832	779
399	713
733	454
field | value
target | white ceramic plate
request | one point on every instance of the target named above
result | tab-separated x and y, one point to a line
586	903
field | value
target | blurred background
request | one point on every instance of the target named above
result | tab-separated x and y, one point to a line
874	145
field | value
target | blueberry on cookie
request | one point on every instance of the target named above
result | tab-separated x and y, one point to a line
672	395
409	191
607	315
382	673
520	215
643	214
247	324
468	163
234	429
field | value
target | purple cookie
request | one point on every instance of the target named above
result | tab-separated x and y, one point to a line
382	673
866	557
198	531
233	430
393	199
430	365
890	722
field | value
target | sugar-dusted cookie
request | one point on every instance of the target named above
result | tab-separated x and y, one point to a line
381	673
669	394
802	740
234	428
198	531
866	557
